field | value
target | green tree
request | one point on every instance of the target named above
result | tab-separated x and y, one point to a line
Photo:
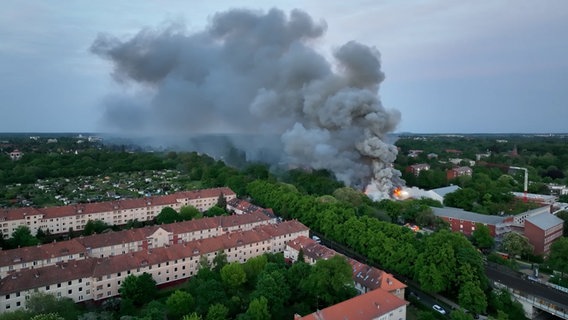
222	201
95	226
217	311
167	215
43	303
274	287
189	213
330	281
233	275
301	257
208	291
20	314
436	263
258	309
193	316
138	289
154	310
22	237
215	211
254	266
464	198
516	245
349	195
482	237
179	304
219	261
558	257
47	316
564	216
460	315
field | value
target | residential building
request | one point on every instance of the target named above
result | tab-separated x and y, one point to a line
62	219
417	168
453	151
414	153
560	190
239	206
373	305
542	230
98	278
109	244
465	221
365	277
458	161
458	172
479	156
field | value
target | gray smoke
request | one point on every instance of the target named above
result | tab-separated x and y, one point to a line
256	72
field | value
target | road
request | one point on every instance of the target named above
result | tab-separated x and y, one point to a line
515	281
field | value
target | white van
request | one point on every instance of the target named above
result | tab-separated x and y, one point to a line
316	239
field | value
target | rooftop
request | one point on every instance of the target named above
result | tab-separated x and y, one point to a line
545	221
456	213
445	190
370	305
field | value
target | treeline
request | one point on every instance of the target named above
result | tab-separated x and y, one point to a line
545	157
34	166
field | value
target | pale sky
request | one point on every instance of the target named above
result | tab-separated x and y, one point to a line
487	66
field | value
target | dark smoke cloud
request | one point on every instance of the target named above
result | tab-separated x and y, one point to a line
256	72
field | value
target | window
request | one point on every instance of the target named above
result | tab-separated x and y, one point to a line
69	291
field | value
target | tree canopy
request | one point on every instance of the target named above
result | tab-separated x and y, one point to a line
138	289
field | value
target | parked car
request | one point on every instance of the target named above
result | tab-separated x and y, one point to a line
439	309
533	278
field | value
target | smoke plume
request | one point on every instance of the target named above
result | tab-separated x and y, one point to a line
258	72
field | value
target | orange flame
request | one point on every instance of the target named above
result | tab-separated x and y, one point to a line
397	192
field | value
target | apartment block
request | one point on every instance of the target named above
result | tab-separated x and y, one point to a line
98	278
62	219
126	241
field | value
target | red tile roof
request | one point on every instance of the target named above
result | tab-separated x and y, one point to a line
35	278
205	193
370	305
123	204
116	238
18	213
40	252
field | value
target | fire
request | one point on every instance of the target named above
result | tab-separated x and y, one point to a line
396	193
400	193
